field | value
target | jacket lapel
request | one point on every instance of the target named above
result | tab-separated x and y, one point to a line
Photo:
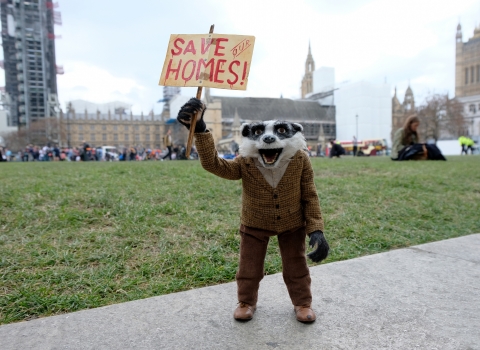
293	172
289	176
256	175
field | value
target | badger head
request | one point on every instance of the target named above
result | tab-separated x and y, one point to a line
271	141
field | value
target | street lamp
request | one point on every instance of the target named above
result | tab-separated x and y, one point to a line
356	135
69	114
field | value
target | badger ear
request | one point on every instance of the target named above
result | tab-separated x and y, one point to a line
245	129
297	127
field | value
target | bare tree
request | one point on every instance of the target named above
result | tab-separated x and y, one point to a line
455	119
441	117
40	132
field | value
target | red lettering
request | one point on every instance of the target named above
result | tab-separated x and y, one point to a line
190	48
170	69
176	53
205	49
244	75
191	73
237	63
201	63
218	70
218	47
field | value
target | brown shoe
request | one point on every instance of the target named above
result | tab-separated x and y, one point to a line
244	312
305	313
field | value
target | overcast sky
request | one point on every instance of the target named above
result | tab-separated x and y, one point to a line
114	49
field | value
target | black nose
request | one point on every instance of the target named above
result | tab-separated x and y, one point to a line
269	139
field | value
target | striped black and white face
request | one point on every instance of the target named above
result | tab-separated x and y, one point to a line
271	141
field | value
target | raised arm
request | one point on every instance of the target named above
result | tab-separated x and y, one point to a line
209	158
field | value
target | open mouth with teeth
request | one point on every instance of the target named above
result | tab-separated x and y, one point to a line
270	155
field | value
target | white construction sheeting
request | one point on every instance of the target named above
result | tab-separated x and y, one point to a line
449	147
4	128
323	79
373	105
176	103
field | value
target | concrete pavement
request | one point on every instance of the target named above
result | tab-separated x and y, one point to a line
422	297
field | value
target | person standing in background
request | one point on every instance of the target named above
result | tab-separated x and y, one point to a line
319	149
355	146
463	144
86	151
3	158
167	141
469	145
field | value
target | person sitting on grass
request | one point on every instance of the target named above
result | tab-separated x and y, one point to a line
406	146
336	149
405	136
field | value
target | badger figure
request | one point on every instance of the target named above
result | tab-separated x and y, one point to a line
271	141
279	198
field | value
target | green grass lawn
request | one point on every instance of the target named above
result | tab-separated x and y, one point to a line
81	235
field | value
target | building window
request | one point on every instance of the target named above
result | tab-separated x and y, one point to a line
80	137
104	127
126	127
147	128
115	137
115	127
126	137
329	130
147	137
472	109
466	76
92	127
137	137
472	74
80	127
104	137
157	127
68	127
311	130
157	146
137	127
478	74
92	137
157	137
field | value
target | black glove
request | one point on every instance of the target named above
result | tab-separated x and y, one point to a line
317	238
188	110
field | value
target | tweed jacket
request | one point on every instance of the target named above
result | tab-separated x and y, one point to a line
292	204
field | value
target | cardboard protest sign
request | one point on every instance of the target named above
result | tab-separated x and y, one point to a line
210	60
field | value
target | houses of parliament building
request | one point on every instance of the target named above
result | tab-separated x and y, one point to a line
467	78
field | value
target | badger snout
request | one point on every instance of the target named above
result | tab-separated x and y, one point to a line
268	139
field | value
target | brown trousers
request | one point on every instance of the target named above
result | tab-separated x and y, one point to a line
253	248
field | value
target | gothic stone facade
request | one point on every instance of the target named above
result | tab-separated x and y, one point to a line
401	111
119	130
467	78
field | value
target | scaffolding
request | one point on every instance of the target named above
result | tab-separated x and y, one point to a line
28	38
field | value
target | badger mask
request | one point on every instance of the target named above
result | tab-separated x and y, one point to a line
271	141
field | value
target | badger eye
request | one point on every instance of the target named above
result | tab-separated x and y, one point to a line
258	132
281	130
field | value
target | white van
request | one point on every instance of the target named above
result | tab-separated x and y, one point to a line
111	150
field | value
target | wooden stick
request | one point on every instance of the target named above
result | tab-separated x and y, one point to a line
193	122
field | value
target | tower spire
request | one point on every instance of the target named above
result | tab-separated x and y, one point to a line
458	36
307	81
